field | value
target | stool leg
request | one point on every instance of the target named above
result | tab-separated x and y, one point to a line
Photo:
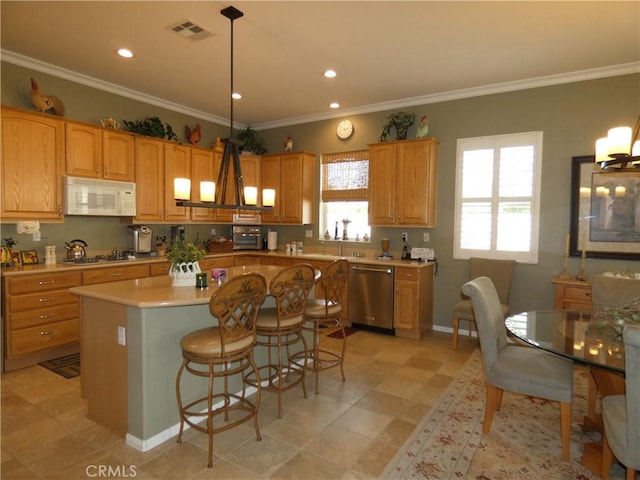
258	396
456	326
210	415
316	355
344	349
179	400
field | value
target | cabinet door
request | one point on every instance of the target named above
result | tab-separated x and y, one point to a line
415	184
149	174
382	184
290	189
271	179
203	168
405	309
177	163
117	155
32	165
83	150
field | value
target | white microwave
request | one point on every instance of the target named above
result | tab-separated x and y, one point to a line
88	196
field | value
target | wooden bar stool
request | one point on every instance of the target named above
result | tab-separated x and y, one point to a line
323	313
222	351
281	327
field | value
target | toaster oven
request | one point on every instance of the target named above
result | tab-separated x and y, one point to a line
246	237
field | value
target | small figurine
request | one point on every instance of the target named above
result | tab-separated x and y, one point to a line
365	237
423	128
193	135
288	144
44	103
327	235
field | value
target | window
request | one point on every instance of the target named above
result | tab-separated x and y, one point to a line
344	183
497	199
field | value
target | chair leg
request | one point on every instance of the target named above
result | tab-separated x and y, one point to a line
631	473
493	398
565	429
607	457
456	326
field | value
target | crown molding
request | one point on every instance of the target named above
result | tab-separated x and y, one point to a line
535	82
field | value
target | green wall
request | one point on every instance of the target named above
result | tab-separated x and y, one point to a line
571	116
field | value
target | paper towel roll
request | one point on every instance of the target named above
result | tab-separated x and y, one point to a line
272	241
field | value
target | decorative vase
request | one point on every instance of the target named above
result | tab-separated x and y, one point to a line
184	274
401	132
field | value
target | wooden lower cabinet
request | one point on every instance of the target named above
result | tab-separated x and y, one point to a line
413	301
247	260
571	294
40	318
114	274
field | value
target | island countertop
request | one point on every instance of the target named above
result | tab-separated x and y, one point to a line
157	292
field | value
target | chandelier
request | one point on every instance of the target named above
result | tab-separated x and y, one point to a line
210	197
620	149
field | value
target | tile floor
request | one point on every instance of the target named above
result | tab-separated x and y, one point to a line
350	430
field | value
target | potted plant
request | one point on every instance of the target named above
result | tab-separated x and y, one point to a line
184	256
151	127
250	142
401	122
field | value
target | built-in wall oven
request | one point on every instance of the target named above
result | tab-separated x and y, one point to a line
246	237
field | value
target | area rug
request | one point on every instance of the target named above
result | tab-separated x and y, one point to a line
68	367
338	333
524	442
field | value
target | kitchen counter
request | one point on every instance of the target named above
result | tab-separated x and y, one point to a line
41	267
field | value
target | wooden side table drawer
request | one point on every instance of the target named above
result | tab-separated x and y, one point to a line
577	293
27	340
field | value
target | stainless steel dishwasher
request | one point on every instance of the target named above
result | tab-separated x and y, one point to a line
371	297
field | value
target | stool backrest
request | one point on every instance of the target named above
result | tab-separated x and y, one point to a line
631	337
236	304
334	281
291	287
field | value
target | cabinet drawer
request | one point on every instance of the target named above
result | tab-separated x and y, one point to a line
159	269
33	301
222	262
42	283
411	274
276	261
574	305
32	339
577	293
43	316
114	274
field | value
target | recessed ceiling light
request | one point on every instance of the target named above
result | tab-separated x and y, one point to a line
236	96
334	105
330	73
123	52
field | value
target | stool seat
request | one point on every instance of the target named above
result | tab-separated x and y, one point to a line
319	308
268	319
206	342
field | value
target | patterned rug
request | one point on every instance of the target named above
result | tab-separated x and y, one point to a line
68	367
524	442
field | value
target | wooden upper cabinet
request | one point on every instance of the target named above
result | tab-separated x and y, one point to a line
403	183
177	163
95	152
292	175
149	168
32	165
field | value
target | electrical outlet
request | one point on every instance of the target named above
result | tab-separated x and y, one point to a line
405	237
308	233
213	231
425	237
122	336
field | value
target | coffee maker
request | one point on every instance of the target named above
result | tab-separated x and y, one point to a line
140	238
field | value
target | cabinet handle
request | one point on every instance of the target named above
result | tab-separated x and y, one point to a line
46	282
97	170
106	172
50	299
47	332
59	210
119	274
42	317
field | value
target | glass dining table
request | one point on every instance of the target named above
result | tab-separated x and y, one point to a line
594	340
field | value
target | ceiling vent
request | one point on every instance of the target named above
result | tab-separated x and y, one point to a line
189	29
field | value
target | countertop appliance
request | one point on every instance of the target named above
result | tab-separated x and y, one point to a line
371	297
140	238
76	249
89	196
246	237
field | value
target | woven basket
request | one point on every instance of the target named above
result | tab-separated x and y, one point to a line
214	246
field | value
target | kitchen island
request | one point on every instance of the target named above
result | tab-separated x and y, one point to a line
130	352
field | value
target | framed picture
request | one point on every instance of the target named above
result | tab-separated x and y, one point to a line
29	256
15	257
605	211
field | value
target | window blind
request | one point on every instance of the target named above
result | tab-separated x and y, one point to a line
345	176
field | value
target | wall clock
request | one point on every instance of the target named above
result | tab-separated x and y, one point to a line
344	129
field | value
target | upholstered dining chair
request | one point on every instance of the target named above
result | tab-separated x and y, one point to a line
222	351
323	313
527	371
280	327
621	413
500	272
608	291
